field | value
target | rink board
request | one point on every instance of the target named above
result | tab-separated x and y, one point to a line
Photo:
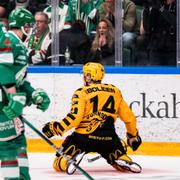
152	93
147	148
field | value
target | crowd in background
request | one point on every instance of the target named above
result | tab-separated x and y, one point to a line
87	31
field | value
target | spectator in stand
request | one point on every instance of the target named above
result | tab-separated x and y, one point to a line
66	2
39	40
74	41
6	6
156	45
138	2
22	3
3	14
62	14
32	5
130	25
86	10
102	49
107	10
5	22
37	6
2	11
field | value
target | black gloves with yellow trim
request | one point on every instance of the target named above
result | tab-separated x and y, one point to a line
51	129
134	141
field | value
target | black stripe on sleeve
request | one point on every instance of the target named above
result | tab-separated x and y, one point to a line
66	122
71	116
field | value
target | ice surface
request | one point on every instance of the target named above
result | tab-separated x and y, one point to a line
154	167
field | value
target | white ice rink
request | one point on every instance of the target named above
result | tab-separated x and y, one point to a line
154	167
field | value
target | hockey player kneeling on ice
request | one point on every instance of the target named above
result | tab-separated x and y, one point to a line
94	109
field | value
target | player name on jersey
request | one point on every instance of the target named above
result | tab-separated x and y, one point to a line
95	89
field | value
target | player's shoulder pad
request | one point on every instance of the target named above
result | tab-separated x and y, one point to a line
79	89
109	85
77	92
115	87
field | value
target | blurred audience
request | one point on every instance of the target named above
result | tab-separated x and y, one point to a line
22	3
2	11
156	45
85	10
74	41
5	22
38	42
138	2
66	1
129	18
130	24
102	49
36	6
6	6
107	10
87	30
32	5
62	14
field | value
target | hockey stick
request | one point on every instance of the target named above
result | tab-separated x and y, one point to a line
59	150
94	158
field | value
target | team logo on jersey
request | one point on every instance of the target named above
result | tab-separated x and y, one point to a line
115	155
6	42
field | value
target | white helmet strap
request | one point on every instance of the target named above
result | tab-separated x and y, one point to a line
25	33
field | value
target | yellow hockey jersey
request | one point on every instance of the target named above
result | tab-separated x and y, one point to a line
90	106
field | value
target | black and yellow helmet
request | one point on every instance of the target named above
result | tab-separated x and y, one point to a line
96	70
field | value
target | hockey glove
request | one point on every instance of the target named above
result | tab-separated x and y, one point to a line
134	141
41	99
51	128
15	106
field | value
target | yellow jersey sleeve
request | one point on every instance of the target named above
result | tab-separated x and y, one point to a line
75	116
127	116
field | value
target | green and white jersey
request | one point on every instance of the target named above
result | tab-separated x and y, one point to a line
13	65
62	14
13	54
20	58
20	53
6	55
84	11
9	128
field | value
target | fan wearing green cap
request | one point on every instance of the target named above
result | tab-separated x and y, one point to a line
16	93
